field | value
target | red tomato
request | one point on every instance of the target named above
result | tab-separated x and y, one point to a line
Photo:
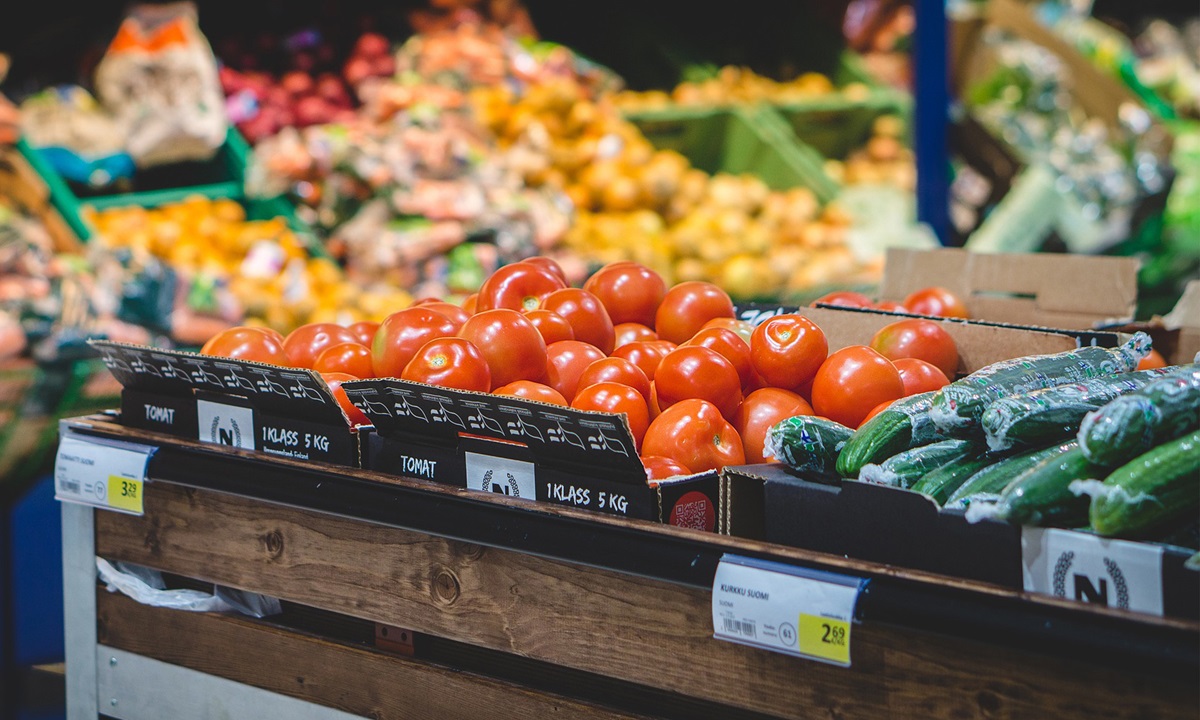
364	332
759	411
852	382
915	338
787	350
731	347
586	314
662	468
646	355
936	301
632	332
630	292
402	334
565	362
919	376
512	345
273	333
687	306
246	343
519	286
890	306
551	325
548	264
334	381
469	303
694	434
878	409
306	342
531	390
450	362
1152	361
614	397
350	358
457	315
698	372
615	369
743	329
843	298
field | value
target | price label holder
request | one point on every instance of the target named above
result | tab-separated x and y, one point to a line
786	609
101	472
1088	568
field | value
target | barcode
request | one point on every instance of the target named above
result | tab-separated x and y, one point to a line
739	627
70	486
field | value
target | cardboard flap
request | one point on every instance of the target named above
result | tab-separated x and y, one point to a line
274	389
555	434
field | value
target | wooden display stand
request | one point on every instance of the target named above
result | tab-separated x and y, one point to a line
523	610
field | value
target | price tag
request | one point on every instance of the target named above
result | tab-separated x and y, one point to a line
101	472
790	610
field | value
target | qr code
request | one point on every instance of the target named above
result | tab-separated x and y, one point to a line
691	515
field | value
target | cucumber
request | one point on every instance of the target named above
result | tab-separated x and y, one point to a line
1149	492
1163	410
992	479
942	482
960	404
1042	494
904	424
1053	414
906	468
807	444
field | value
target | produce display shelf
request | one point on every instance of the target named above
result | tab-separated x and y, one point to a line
624	604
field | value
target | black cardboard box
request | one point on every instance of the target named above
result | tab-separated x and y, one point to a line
525	449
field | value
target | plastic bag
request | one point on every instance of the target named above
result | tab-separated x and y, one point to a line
147	587
159	78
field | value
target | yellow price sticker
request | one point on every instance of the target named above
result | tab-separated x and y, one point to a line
125	494
825	638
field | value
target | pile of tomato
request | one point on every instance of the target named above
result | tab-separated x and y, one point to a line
698	388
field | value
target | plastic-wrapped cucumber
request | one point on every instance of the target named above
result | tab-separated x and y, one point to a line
942	482
1149	492
1053	414
1163	410
807	444
1042	495
989	482
906	468
960	404
904	424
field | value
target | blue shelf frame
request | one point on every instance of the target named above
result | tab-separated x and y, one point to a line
931	96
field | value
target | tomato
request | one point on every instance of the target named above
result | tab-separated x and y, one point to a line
731	347
334	381
364	332
852	382
936	301
759	411
698	372
565	362
687	306
519	286
614	397
548	264
586	314
694	434
402	334
551	325
1152	361
457	315
273	333
787	350
450	362
915	338
350	358
246	343
919	376
843	298
512	345
469	303
630	292
646	355
615	369
890	306
531	390
662	468
741	327
878	409
306	342
632	332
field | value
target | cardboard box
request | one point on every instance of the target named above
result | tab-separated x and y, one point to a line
254	406
1177	334
526	449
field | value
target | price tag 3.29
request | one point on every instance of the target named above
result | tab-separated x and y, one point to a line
101	472
790	610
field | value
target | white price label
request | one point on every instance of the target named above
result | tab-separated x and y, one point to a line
1089	568
790	610
100	472
223	424
504	476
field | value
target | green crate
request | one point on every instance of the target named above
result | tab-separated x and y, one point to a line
835	126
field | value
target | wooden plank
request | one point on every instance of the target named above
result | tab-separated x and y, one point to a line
625	627
352	679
